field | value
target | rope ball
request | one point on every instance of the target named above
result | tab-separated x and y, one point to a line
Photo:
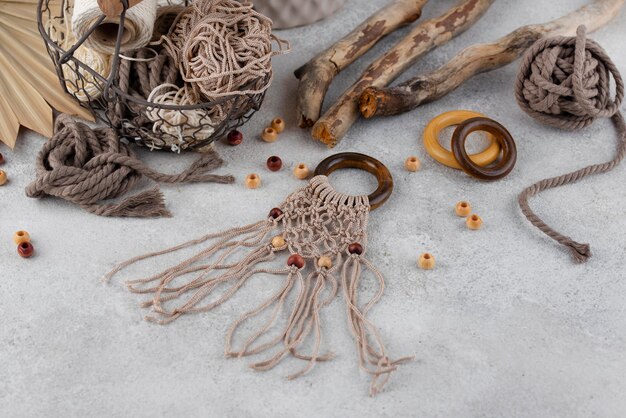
566	82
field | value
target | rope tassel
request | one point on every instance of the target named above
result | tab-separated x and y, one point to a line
305	249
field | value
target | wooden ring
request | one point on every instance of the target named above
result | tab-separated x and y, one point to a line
504	138
445	157
361	162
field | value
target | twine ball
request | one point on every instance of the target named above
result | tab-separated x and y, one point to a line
565	82
223	48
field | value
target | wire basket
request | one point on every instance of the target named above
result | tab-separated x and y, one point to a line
136	118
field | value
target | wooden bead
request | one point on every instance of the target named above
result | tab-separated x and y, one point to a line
234	137
355	248
3	178
412	164
1	158
474	222
301	171
426	261
325	262
274	163
278	124
296	260
253	181
275	213
463	209
20	237
278	242
25	249
269	135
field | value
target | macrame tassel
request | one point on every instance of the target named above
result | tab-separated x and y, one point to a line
373	357
313	222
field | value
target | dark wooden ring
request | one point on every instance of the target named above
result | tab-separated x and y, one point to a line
504	138
361	162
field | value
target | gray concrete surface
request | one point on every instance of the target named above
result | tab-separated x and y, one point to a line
506	325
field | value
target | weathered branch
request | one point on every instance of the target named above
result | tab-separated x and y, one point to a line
480	58
334	124
316	75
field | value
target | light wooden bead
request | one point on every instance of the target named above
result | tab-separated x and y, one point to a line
20	237
426	261
278	124
301	171
3	178
474	222
253	181
325	262
278	242
412	164
269	135
463	209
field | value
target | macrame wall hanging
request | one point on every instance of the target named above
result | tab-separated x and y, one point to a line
315	245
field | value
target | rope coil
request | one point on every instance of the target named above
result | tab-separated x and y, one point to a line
565	82
89	166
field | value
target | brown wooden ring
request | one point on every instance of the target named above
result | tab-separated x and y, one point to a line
504	138
361	162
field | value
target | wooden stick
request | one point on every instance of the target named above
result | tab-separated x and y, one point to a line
336	122
480	58
316	75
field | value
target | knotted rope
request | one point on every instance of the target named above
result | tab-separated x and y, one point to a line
565	82
88	166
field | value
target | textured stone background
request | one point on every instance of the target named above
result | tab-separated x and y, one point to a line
506	325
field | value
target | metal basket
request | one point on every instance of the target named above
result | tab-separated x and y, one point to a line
126	112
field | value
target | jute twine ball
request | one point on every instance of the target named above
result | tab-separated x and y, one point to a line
565	82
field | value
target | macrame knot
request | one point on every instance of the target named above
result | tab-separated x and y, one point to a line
565	82
87	166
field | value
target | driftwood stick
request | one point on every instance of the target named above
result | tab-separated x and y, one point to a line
480	58
316	75
336	122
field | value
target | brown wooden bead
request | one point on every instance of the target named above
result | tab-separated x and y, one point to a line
20	237
301	171
269	135
275	213
474	222
355	248
463	209
234	137
1	158
274	163
278	124
3	178
278	242
426	261
296	260
25	249
325	262
253	181
412	164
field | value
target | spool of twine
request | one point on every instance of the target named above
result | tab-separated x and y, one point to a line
90	166
79	81
138	26
223	48
565	82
